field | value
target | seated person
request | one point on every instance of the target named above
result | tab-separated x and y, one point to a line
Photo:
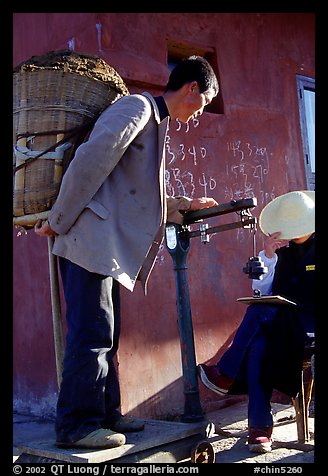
267	350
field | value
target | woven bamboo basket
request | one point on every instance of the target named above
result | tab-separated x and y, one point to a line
57	98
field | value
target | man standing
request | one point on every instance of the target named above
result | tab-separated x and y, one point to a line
108	222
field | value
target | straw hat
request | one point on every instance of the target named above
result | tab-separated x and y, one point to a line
293	214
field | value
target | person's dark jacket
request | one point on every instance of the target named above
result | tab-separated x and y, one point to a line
295	279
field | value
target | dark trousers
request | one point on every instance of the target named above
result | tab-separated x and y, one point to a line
244	359
89	394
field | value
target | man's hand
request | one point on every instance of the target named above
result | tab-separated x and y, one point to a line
272	243
42	228
202	202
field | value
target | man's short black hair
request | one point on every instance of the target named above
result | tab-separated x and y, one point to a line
194	68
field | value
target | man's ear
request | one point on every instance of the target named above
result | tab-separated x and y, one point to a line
190	88
193	86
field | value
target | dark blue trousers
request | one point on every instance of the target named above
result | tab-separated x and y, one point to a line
89	393
244	359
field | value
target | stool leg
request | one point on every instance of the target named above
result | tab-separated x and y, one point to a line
306	408
301	416
301	405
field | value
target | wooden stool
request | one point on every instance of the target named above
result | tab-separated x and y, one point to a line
302	401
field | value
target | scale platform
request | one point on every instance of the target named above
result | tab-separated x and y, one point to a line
159	442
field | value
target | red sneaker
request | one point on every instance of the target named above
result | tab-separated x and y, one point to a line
259	440
212	378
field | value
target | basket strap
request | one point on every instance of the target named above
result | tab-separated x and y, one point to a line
24	153
70	133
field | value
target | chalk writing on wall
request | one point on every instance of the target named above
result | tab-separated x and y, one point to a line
247	167
179	177
242	169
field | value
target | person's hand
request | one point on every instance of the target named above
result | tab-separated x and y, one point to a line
42	228
202	202
272	243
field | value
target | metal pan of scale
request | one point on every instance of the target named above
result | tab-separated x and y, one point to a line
232	206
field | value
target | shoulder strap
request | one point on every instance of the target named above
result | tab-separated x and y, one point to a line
153	103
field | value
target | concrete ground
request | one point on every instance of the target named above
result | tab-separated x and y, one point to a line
228	439
231	446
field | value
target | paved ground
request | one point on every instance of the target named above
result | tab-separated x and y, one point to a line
229	438
231	447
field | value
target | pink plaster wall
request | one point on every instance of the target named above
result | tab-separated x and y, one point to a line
253	149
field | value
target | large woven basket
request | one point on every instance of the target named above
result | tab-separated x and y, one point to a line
56	100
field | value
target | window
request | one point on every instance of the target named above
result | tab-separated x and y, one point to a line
306	100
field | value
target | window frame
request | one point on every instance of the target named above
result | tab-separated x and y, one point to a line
305	83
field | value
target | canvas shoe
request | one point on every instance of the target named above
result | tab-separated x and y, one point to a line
126	424
259	440
212	378
100	439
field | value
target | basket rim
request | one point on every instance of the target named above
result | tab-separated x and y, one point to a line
51	70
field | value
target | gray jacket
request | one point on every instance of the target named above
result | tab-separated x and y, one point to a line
111	209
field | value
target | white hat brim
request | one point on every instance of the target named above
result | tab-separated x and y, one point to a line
272	219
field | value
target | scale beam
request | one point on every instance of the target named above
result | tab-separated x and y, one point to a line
233	206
